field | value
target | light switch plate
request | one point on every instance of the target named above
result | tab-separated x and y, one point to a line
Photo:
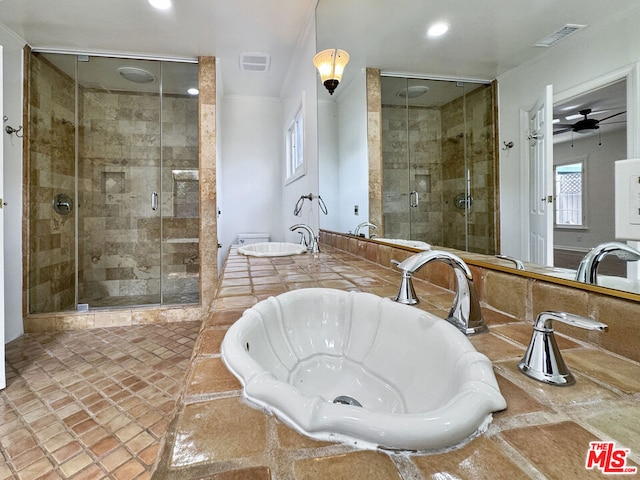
627	199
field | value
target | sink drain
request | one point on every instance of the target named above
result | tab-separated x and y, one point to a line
346	400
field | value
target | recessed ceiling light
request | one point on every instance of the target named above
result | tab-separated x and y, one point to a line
193	91
437	29
160	4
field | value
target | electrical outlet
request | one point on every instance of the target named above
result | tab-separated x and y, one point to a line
356	210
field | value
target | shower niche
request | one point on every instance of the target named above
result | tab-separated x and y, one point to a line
119	138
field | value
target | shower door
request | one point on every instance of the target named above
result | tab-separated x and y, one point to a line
114	143
119	157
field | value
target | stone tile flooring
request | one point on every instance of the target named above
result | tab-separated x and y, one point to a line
91	404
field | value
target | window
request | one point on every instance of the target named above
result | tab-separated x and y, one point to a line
295	147
570	194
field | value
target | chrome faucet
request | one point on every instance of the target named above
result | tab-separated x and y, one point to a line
542	359
312	242
465	313
587	270
518	264
363	225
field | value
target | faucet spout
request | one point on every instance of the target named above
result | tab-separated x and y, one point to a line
465	313
312	243
364	225
587	270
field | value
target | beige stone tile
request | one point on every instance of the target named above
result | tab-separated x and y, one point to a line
209	375
480	459
218	431
210	340
495	348
254	473
518	401
584	391
507	293
558	451
621	424
621	316
620	373
290	439
350	466
521	333
549	296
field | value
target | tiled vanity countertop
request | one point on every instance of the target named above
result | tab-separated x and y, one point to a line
544	432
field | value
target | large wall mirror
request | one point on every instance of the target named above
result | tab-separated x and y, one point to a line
453	145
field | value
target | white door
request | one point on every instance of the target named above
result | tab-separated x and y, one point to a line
540	137
3	379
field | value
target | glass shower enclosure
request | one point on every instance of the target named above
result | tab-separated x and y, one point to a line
439	180
113	195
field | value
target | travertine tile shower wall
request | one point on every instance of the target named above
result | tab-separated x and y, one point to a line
51	171
432	143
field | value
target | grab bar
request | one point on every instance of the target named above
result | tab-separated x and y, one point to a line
154	201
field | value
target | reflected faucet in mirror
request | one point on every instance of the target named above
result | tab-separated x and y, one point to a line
357	233
587	270
465	313
518	264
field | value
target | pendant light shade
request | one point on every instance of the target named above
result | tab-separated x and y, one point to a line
330	64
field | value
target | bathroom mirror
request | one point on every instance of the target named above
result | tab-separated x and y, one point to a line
375	41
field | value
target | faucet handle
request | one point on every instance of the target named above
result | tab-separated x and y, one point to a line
543	322
542	360
395	262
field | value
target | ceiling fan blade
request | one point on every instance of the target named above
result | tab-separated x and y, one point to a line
557	132
563	125
611	116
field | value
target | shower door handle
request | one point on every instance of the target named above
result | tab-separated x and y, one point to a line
413	199
154	201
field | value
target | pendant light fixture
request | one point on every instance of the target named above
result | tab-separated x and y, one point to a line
330	64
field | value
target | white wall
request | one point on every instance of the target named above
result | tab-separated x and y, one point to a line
328	161
600	185
353	156
301	83
12	183
583	57
249	179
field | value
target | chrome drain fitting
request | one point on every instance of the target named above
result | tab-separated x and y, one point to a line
346	400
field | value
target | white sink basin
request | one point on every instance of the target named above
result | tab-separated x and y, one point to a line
272	249
422	385
405	243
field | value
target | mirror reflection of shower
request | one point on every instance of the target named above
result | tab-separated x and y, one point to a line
104	134
438	146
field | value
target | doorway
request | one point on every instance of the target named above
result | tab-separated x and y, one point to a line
590	134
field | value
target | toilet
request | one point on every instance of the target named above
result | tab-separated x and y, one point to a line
250	238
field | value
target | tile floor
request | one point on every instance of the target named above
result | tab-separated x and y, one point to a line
91	404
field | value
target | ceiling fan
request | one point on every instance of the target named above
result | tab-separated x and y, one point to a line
586	124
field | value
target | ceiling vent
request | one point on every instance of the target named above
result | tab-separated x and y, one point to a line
558	35
254	62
